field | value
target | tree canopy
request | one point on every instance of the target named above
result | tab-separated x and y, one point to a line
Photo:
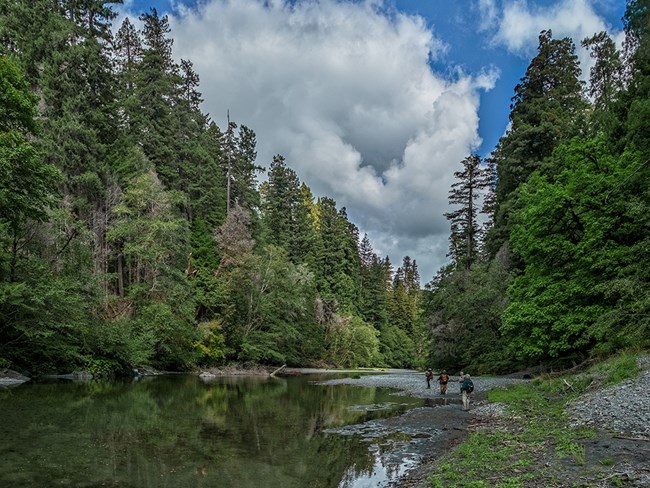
134	230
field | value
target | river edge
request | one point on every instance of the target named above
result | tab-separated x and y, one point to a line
600	439
440	415
610	445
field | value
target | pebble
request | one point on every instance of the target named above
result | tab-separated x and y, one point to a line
623	408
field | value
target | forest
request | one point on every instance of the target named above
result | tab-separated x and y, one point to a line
135	232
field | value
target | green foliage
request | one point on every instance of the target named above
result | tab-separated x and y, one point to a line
27	182
352	343
576	239
100	367
465	309
151	243
396	347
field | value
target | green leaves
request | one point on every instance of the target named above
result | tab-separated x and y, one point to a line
27	182
570	235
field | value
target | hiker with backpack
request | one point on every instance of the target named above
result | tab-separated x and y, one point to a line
443	379
429	377
466	389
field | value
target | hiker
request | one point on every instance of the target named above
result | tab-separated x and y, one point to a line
429	377
443	379
461	378
466	388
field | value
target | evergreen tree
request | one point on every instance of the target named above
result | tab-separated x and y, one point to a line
375	285
547	108
490	199
240	170
635	102
338	263
155	90
304	241
127	51
405	306
605	80
31	30
281	198
80	121
206	183
466	230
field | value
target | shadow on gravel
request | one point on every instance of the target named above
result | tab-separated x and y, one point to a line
437	402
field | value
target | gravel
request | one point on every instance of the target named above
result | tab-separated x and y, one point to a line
618	455
415	384
622	408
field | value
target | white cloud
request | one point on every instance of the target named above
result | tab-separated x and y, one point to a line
345	91
488	14
521	24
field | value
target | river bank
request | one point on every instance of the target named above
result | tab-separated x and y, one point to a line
588	429
438	426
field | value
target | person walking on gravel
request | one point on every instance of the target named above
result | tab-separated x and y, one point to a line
443	379
467	388
461	378
429	377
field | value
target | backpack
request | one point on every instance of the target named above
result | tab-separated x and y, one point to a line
470	387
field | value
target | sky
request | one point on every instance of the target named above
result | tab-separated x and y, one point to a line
373	102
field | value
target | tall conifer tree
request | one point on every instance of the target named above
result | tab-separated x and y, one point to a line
466	230
547	108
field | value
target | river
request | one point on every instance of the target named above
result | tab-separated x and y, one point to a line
180	431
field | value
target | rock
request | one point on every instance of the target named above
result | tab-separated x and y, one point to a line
623	408
10	378
138	372
82	376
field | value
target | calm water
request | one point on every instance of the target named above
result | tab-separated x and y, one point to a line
178	431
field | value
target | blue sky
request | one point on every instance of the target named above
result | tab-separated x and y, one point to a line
374	102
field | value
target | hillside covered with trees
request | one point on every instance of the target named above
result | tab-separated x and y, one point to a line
135	232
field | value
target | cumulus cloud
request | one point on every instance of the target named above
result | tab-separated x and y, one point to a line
345	91
521	24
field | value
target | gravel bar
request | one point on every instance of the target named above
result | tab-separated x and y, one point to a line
623	408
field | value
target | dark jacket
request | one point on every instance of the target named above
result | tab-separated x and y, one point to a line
465	386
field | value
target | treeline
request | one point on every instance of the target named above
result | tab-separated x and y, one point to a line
133	229
556	269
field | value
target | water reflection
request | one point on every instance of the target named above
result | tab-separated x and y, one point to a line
380	474
179	431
